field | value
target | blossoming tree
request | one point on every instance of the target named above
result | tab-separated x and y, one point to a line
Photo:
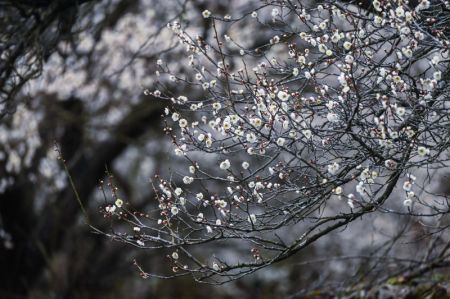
341	115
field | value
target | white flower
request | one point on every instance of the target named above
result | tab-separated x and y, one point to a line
331	104
275	40
182	123
307	133
175	255
333	168
275	12
407	52
178	191
424	4
338	190
378	20
209	229
216	267
200	217
225	164
256	121
349	59
407	186
400	111
406	31
301	59
252	218
188	180
221	203
254	14
234	118
175	116
119	203
251	137
280	141
323	25
437	75
360	188
423	151
347	45
400	12
377	5
365	174
322	48
332	117
390	164
137	229
199	196
110	209
182	99
245	165
208	142
335	37
408	16
407	202
283	96
174	210
191	169
178	152
350	203
206	13
295	72
435	60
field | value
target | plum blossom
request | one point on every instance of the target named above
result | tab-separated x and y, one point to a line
283	96
333	168
206	14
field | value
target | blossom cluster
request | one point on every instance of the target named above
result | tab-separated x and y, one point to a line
334	105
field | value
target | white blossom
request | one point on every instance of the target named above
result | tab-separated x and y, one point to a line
118	203
174	210
206	14
188	180
281	141
252	218
423	151
225	164
333	168
332	117
283	96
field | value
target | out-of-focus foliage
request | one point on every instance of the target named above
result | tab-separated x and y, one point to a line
31	31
